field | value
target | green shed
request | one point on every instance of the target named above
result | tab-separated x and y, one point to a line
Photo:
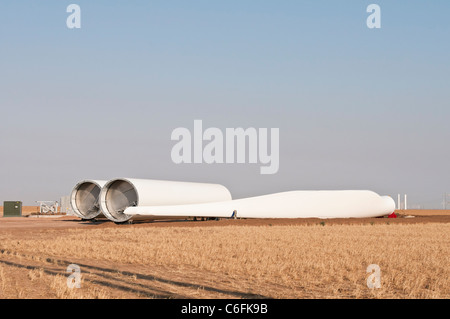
12	209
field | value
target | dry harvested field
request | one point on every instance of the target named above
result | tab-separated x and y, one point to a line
301	258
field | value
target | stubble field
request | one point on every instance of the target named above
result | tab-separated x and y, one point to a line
226	259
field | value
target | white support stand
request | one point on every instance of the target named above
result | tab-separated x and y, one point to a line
48	207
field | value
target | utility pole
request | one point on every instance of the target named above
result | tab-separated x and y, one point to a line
399	202
445	200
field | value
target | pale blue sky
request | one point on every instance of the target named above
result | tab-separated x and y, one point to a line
357	108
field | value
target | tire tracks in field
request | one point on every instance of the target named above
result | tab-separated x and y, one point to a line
152	287
140	292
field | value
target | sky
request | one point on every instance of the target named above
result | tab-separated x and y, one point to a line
356	108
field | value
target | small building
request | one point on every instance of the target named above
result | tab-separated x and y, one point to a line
12	209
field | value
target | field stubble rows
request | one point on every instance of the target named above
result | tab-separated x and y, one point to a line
299	261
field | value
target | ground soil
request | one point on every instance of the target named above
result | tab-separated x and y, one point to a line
40	222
